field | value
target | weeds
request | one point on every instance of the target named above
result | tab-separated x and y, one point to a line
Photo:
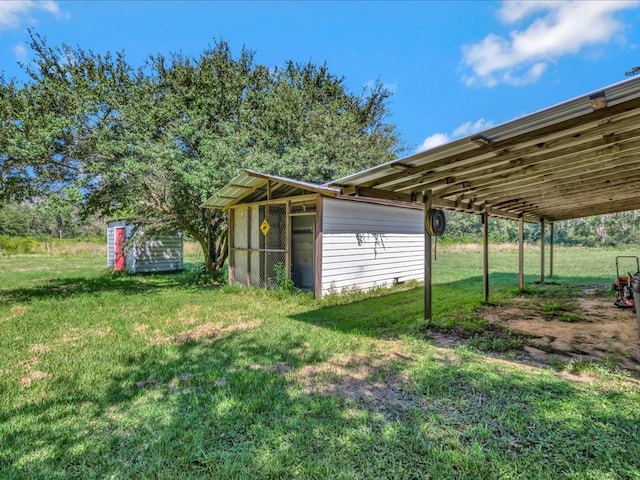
570	317
283	282
493	341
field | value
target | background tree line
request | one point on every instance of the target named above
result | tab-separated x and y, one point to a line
602	230
41	220
65	219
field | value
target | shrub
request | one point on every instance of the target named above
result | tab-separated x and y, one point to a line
13	245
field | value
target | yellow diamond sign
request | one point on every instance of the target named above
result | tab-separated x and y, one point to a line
265	227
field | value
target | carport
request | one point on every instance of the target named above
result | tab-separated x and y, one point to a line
574	159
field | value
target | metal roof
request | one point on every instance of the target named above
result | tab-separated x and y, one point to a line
250	186
574	159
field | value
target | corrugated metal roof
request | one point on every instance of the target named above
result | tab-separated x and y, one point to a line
251	186
556	163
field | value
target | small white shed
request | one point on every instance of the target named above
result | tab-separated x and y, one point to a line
322	240
129	250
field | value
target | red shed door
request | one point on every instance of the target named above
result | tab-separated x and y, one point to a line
119	248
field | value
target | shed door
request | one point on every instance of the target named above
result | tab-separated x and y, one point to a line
303	251
120	239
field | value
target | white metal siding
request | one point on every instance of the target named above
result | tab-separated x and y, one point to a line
367	245
156	254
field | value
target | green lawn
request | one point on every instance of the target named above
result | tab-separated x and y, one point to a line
151	376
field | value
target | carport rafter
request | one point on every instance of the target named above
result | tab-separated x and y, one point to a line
503	166
561	176
553	168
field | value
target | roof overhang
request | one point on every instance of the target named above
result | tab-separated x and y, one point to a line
574	159
250	187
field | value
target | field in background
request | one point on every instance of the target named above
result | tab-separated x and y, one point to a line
122	376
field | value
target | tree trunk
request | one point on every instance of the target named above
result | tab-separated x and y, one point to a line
60	226
213	241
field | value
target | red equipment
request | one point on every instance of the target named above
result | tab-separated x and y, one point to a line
622	285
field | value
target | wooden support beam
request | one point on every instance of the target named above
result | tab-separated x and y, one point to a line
427	258
471	207
385	194
575	193
560	132
231	243
250	245
551	250
485	255
528	161
531	181
546	144
542	250
317	247
521	253
287	243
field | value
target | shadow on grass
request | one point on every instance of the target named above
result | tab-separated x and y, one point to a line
237	405
230	408
125	284
389	314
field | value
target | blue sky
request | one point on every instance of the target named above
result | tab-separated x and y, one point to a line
455	67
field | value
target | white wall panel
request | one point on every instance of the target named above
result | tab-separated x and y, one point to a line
368	245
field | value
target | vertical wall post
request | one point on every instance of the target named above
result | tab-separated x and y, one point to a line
521	253
427	257
551	250
542	242
485	255
231	244
265	264
250	246
287	241
317	247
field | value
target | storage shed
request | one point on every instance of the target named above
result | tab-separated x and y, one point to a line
129	250
325	242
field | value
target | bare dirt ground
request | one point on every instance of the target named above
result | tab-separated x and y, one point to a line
588	327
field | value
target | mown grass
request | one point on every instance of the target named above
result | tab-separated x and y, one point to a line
106	376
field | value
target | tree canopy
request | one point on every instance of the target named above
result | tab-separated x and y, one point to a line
159	139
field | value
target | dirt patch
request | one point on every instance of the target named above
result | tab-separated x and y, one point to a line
370	379
588	328
16	311
207	331
34	376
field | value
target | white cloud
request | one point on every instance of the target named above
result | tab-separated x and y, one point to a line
433	141
21	52
551	29
464	130
469	128
14	13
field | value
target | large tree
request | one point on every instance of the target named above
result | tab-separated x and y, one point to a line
158	140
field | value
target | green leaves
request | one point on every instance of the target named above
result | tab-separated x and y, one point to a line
160	139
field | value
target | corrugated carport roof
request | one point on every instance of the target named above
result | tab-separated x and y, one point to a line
571	160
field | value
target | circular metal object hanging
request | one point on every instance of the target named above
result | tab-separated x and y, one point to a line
435	222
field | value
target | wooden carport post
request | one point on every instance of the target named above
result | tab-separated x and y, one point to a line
551	250
542	250
427	257
485	255
521	253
